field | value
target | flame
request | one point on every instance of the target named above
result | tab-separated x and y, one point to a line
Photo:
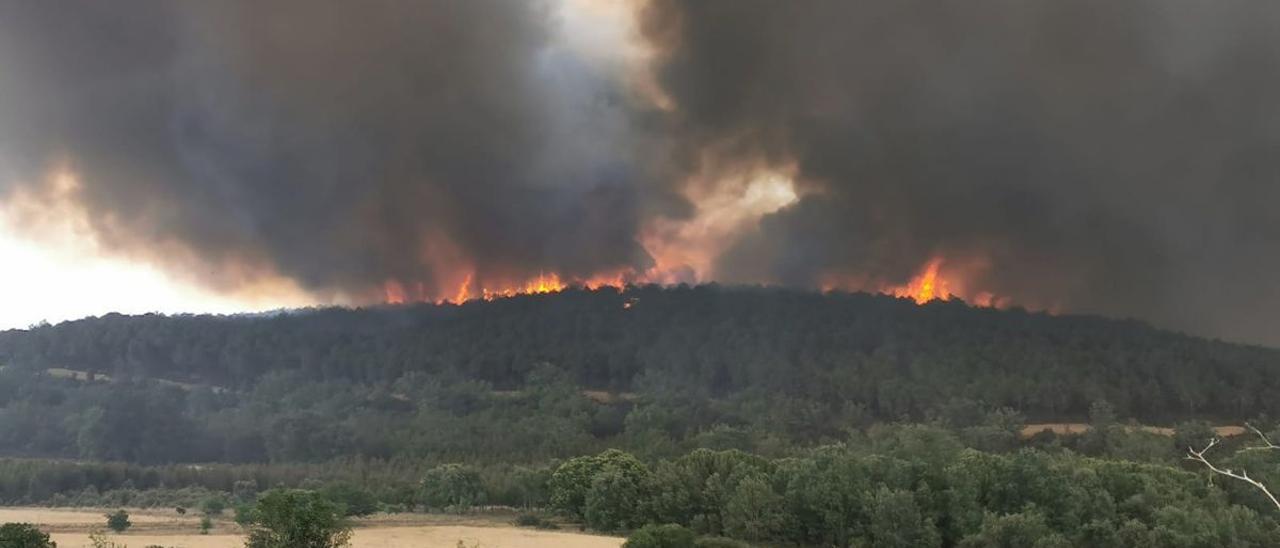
464	290
939	278
925	286
397	292
544	283
393	292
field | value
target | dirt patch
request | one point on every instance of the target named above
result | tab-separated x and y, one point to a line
445	536
71	528
60	517
1064	428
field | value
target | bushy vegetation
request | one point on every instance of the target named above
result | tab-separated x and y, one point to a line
760	416
297	519
118	521
917	488
23	535
263	387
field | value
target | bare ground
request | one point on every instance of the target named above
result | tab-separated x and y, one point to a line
71	528
1062	428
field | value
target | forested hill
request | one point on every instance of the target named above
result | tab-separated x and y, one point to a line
892	357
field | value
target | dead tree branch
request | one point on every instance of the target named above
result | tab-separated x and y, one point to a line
1264	439
1242	475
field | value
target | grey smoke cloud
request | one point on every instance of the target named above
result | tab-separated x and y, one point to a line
339	143
1112	157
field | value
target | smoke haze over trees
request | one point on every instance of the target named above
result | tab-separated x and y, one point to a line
1095	157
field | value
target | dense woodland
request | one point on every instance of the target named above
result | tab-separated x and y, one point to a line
770	416
899	485
672	369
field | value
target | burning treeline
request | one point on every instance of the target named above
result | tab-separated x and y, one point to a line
1092	156
931	283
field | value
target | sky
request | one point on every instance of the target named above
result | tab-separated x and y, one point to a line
1092	157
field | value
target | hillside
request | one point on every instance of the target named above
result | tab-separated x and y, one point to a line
496	376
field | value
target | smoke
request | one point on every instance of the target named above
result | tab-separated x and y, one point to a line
339	144
1115	157
1095	156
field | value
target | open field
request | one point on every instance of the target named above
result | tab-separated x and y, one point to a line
71	528
1063	428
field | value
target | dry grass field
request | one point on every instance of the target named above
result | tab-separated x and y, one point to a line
1064	428
71	528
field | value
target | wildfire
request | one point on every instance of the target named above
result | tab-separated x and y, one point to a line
925	286
544	283
937	279
395	292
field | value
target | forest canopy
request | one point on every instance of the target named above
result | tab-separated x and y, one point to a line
559	375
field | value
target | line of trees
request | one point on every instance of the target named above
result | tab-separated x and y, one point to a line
889	356
914	490
900	486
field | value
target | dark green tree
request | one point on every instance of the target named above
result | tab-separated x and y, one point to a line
118	521
292	518
24	535
661	536
354	500
452	486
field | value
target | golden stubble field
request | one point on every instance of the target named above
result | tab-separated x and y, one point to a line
71	528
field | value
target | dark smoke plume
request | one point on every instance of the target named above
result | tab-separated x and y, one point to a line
1100	156
1118	157
341	144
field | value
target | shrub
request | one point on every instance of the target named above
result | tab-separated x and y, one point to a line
452	486
118	521
213	506
661	536
355	501
23	535
535	521
291	518
719	542
205	525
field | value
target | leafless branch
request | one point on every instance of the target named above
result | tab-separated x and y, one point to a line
1242	475
1264	439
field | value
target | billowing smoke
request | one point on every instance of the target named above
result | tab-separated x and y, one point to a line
339	144
1099	156
1115	157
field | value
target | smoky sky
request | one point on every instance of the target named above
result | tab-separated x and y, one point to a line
1115	157
1093	156
336	142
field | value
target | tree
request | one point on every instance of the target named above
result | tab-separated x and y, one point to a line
615	500
355	501
661	536
754	512
453	486
1241	475
293	518
896	521
118	521
1025	529
24	535
605	489
213	506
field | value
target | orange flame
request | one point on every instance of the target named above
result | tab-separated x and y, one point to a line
937	279
544	283
925	286
396	292
393	292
